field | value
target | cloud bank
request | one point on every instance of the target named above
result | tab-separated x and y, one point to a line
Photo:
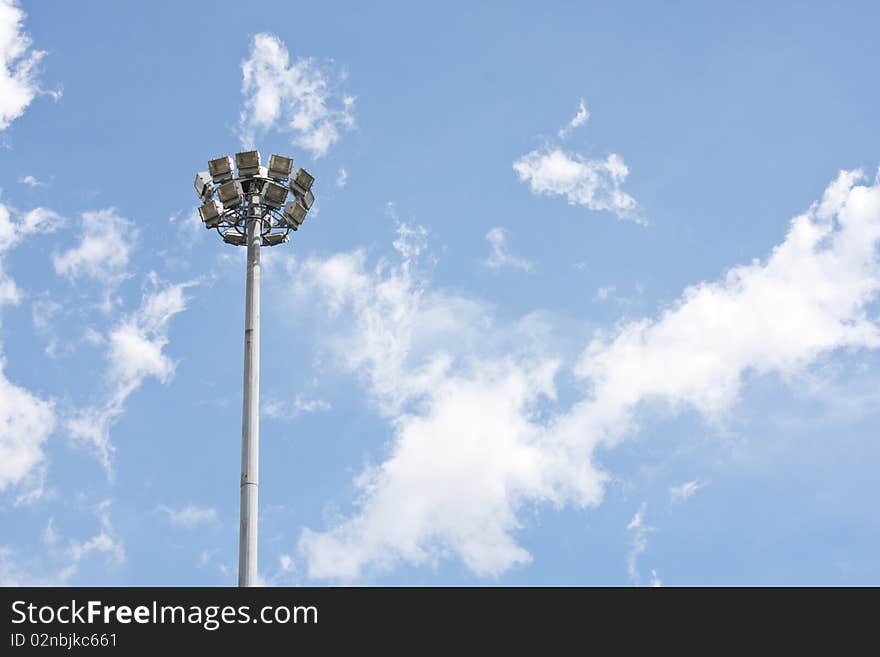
476	439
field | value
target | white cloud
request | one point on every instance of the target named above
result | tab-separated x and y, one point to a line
656	582
299	98
50	536
105	243
134	352
282	410
105	541
809	297
604	292
18	65
342	178
640	532
44	313
684	491
26	570
583	114
592	183
468	451
26	421
500	256
62	558
190	515
475	441
189	225
13	229
589	182
31	181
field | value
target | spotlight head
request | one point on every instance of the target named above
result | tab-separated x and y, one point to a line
210	213
230	194
203	186
234	237
307	200
301	181
294	214
248	163
275	239
221	169
280	166
274	194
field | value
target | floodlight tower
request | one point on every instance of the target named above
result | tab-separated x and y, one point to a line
252	209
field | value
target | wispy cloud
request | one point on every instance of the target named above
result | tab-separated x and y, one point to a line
500	256
284	410
189	516
684	491
15	227
639	532
342	178
604	292
26	420
31	181
583	114
62	557
106	541
301	98
134	351
104	248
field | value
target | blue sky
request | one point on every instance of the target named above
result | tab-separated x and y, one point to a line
589	295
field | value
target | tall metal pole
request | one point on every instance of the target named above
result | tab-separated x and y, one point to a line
250	419
252	205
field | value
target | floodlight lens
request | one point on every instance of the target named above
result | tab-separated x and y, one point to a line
303	179
209	210
248	162
307	200
210	213
220	168
295	214
274	195
280	166
229	194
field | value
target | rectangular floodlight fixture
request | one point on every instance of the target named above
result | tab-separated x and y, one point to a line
274	194
307	200
301	181
234	237
210	213
280	166
248	163
203	185
230	194
275	239
221	169
294	214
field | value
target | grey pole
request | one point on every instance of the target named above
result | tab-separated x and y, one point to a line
250	419
252	209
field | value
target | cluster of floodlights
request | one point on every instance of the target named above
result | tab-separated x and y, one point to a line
256	193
